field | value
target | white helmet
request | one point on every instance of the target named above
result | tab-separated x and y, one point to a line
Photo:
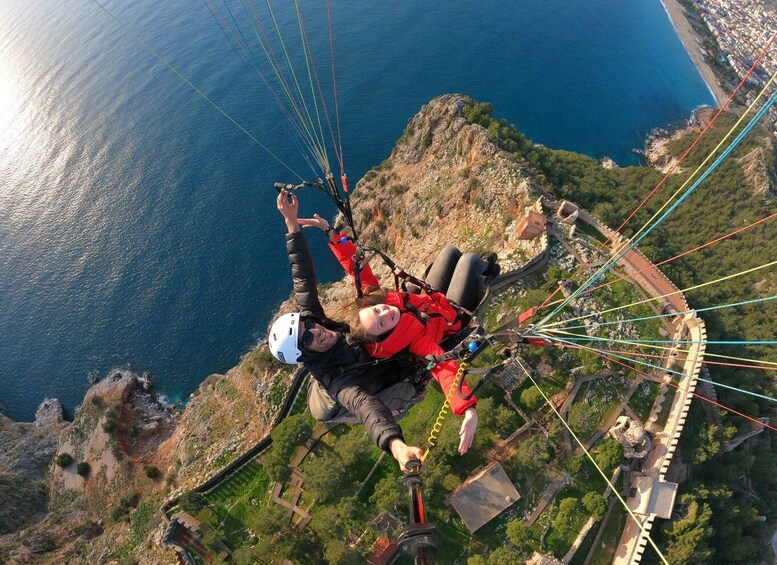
283	339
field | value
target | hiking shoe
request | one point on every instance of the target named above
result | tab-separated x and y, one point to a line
493	269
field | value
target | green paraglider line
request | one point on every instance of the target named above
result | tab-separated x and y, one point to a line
669	173
239	46
666	370
151	50
652	223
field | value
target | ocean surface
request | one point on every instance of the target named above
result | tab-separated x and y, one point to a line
137	224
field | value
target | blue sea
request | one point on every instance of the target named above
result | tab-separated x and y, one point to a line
137	224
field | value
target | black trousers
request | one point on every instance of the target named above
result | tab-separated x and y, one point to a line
458	276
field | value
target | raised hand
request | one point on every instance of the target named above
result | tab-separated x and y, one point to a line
315	222
288	206
467	431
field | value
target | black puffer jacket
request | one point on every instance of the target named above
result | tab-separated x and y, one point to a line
344	369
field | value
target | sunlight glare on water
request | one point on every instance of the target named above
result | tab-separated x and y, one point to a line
11	130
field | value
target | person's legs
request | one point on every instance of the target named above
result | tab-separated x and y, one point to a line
397	396
442	270
468	283
322	406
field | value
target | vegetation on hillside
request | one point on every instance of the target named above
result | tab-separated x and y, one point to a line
727	491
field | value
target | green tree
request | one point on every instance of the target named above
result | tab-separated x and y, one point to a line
504	556
192	502
64	459
339	553
339	470
609	454
596	504
574	464
708	443
532	398
505	420
688	538
533	454
110	422
286	436
582	419
83	469
568	514
519	534
388	495
476	560
325	479
244	555
278	539
480	113
152	471
274	521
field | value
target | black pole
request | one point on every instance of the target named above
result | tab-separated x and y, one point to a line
418	540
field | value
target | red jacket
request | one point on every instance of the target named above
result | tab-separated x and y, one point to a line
420	338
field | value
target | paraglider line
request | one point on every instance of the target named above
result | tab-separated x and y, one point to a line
676	314
678	256
595	464
764	51
652	223
151	50
654	298
699	396
679	373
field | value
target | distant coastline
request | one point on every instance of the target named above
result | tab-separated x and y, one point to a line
676	12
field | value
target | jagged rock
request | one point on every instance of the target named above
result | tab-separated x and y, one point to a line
445	181
26	451
656	153
50	414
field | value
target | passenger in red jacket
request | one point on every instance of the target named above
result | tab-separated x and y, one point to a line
393	321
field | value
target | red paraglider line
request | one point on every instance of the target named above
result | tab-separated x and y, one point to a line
648	355
674	167
704	398
683	254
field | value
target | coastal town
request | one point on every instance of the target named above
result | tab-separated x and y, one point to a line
740	31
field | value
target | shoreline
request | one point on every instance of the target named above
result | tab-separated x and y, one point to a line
682	26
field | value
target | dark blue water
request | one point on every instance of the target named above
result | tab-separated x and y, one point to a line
137	224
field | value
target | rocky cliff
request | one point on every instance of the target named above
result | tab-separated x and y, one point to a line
444	182
756	164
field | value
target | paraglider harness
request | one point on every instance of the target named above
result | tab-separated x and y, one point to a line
465	345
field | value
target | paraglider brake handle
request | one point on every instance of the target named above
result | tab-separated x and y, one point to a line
279	186
413	466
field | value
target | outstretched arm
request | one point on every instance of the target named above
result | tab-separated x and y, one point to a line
302	269
445	374
288	206
467	430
